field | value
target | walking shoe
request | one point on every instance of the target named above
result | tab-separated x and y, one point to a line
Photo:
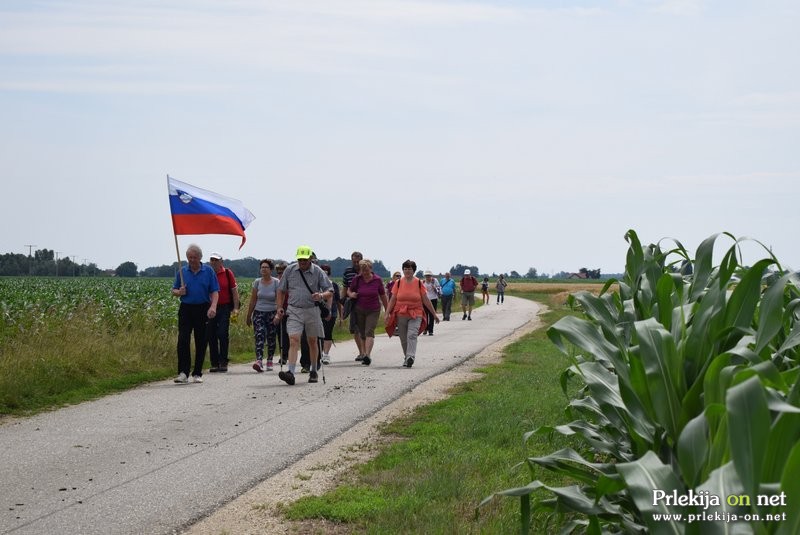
269	365
359	358
312	378
223	369
284	361
286	376
304	370
326	359
366	361
257	366
213	369
463	317
181	379
409	362
197	379
469	318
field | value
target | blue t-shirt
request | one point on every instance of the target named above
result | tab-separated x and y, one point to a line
198	285
448	286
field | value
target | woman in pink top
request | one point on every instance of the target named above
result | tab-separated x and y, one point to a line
408	305
368	293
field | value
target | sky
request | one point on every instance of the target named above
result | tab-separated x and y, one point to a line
500	134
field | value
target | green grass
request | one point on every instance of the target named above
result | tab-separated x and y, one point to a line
452	454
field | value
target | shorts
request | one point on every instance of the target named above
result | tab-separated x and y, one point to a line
367	321
304	318
467	298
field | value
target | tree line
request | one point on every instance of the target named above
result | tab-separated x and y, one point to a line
45	263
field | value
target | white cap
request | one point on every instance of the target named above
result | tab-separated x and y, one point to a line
215	256
467	272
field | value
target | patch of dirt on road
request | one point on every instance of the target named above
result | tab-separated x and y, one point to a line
256	511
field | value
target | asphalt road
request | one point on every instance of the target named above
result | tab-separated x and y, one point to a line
160	457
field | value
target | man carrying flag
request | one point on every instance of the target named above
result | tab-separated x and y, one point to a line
198	289
198	211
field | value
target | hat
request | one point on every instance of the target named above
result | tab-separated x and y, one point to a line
467	272
428	272
215	256
304	252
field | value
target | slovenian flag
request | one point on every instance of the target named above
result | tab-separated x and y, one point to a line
199	211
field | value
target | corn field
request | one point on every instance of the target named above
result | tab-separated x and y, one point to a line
63	339
688	413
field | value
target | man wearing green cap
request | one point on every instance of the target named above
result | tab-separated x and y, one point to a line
308	288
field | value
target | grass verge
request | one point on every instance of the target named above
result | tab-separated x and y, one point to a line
448	456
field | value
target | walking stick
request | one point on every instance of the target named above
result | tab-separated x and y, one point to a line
280	335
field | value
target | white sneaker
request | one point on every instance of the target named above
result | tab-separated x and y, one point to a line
181	378
326	359
197	379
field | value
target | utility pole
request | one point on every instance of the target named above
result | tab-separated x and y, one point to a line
57	253
30	259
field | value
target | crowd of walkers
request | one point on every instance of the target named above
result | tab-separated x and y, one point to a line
295	307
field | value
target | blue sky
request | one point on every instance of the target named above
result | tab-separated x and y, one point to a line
505	135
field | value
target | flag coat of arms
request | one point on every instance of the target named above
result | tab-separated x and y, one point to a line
199	211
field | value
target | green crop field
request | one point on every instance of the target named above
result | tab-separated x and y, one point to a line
65	340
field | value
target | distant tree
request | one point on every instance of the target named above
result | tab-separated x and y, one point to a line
44	255
126	269
458	270
380	270
13	264
514	275
589	273
247	267
532	273
160	271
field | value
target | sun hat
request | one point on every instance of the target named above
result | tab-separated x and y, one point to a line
467	272
215	256
428	272
304	252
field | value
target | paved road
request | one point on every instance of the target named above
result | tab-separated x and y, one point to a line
159	457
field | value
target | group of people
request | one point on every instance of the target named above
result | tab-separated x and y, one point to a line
297	305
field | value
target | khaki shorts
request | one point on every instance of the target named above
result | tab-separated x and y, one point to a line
367	320
304	318
467	298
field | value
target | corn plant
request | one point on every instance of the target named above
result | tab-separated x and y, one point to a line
688	392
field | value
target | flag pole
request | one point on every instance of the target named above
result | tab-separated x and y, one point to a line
175	235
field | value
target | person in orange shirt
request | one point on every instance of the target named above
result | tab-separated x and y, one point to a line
407	307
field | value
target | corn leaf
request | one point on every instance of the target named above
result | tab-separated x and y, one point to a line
583	335
748	427
643	477
746	296
664	373
723	482
790	485
569	463
770	318
692	449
